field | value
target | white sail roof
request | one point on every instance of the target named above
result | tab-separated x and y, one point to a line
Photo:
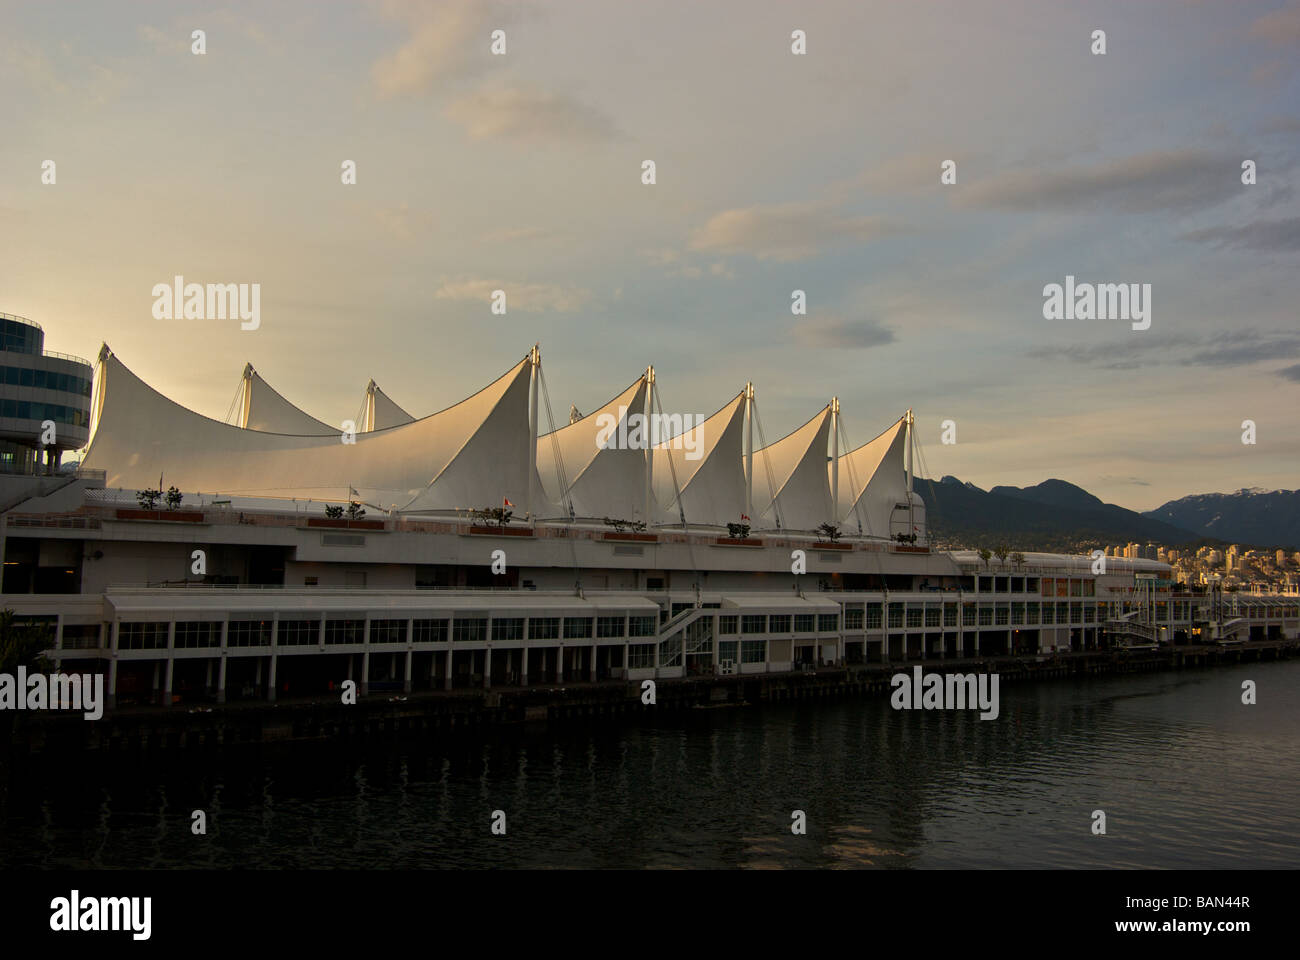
381	412
709	464
791	485
608	482
470	455
873	480
265	409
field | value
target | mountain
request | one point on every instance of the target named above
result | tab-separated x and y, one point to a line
1053	515
1251	515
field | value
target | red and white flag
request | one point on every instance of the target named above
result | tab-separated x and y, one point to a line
505	502
743	517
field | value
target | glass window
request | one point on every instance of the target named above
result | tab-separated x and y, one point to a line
640	655
577	628
430	631
387	631
195	633
544	628
508	628
828	622
342	631
641	626
853	618
804	623
753	651
728	624
609	626
753	623
250	633
292	633
469	630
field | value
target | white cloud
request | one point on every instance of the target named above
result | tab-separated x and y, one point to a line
529	297
529	116
785	231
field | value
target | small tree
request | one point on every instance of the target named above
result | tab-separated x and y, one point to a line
1018	559
1001	553
738	531
498	515
148	498
355	512
618	525
173	498
985	554
334	513
831	531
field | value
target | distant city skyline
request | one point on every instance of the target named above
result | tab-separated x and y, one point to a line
775	172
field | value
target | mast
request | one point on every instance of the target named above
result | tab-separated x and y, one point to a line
246	402
649	447
369	415
835	459
749	451
910	420
535	361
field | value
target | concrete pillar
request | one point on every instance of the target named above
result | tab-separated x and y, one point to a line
593	663
406	671
446	683
523	665
364	686
207	680
626	650
559	664
487	668
221	672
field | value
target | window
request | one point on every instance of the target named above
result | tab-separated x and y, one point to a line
853	618
1047	613
986	616
753	623
1076	613
950	614
968	615
293	633
340	631
1049	586
1002	615
640	655
873	616
1017	613
430	631
1031	613
753	651
508	628
310	581
828	622
728	624
577	628
679	607
779	623
544	628
387	631
190	633
641	626
729	650
914	617
986	584
469	630
932	616
609	626
895	615
251	633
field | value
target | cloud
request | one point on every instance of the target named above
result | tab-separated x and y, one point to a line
1160	180
517	234
1291	373
1240	348
529	117
529	297
1280	28
838	332
448	41
785	232
1265	235
1133	481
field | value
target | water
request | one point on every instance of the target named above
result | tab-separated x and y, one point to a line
1186	774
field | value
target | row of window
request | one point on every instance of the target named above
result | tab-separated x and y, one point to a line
44	380
30	410
730	624
257	633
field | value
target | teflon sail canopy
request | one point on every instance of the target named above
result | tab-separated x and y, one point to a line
471	455
791	484
873	481
380	410
264	408
606	476
712	484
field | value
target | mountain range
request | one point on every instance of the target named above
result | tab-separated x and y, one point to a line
1059	516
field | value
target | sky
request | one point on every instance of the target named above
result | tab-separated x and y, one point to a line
774	172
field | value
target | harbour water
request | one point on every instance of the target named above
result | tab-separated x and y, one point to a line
1186	774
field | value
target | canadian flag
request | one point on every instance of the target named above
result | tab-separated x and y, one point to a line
743	517
505	502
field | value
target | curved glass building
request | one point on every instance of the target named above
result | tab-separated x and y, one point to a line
44	399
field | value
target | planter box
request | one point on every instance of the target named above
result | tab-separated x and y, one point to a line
902	549
500	532
342	523
179	516
827	545
737	542
639	537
